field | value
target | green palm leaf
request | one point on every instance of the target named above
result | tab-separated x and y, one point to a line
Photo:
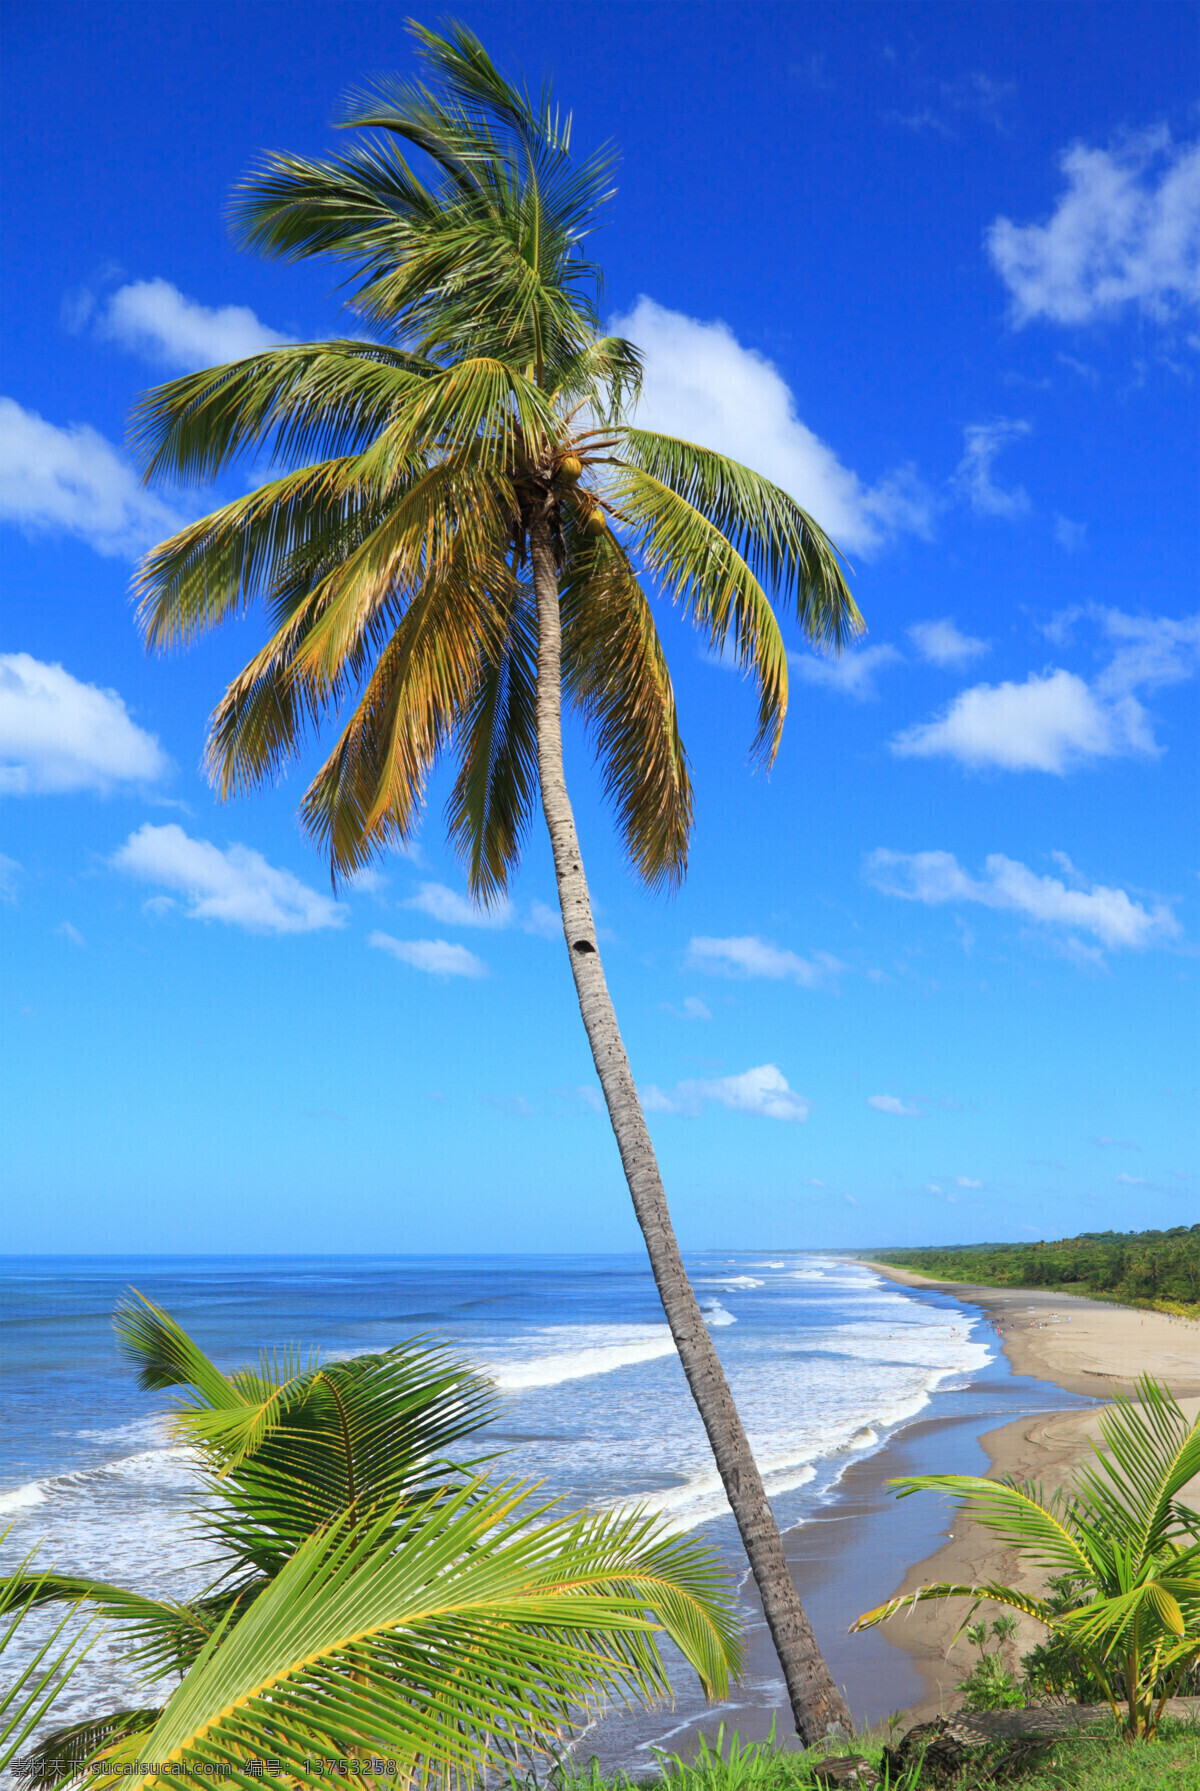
443	1645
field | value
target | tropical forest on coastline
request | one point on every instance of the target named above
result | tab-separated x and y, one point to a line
1159	1270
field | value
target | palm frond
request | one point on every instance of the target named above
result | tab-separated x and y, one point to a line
445	1646
491	804
1019	1514
779	540
616	674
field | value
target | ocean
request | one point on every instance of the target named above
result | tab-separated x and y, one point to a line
827	1360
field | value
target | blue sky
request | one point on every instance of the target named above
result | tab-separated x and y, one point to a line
934	268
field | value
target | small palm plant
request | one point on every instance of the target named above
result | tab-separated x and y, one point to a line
381	1610
474	532
1119	1538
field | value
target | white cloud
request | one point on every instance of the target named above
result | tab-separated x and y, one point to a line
982	443
894	1105
1152	651
852	674
437	956
72	481
57	734
763	1092
695	1009
543	921
10	870
1052	722
1130	1181
751	956
943	643
71	934
1126	232
701	383
1109	915
966	1181
154	319
236	886
454	910
1070	536
1055	720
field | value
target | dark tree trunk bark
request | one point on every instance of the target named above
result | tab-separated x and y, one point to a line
817	1705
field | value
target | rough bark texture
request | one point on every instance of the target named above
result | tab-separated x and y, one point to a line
817	1705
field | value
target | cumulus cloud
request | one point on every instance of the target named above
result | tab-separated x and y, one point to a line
72	481
1124	234
763	1092
943	643
1052	722
455	910
439	957
751	956
982	444
701	383
1056	721
1110	915
154	319
543	921
1070	536
57	734
851	674
236	885
895	1106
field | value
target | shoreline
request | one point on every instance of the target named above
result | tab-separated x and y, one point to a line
1102	1349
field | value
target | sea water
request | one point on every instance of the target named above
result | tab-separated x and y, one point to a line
826	1359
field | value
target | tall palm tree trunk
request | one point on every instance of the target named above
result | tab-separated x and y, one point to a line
817	1705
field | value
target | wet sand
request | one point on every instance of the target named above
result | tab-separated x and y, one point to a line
1101	1349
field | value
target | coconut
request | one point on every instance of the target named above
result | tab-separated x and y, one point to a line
596	523
569	468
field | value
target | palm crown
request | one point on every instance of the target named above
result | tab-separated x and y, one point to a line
394	563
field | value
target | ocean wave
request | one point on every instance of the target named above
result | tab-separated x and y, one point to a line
148	1467
730	1281
580	1351
715	1314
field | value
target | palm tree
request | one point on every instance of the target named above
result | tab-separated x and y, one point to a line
1122	1547
468	546
377	1601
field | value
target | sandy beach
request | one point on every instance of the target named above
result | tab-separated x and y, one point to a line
1083	1345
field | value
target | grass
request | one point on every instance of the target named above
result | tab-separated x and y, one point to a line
1097	1761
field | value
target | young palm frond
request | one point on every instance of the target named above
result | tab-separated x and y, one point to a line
445	1645
33	1688
1120	1535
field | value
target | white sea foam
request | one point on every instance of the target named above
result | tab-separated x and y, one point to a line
576	1352
715	1314
32	1493
729	1281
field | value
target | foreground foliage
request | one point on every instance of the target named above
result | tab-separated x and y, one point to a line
1124	1548
1156	1269
1100	1760
381	1610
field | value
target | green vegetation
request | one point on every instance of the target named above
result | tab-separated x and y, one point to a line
1100	1760
1125	1550
1157	1269
383	1611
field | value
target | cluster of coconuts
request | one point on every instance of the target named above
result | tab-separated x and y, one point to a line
569	469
